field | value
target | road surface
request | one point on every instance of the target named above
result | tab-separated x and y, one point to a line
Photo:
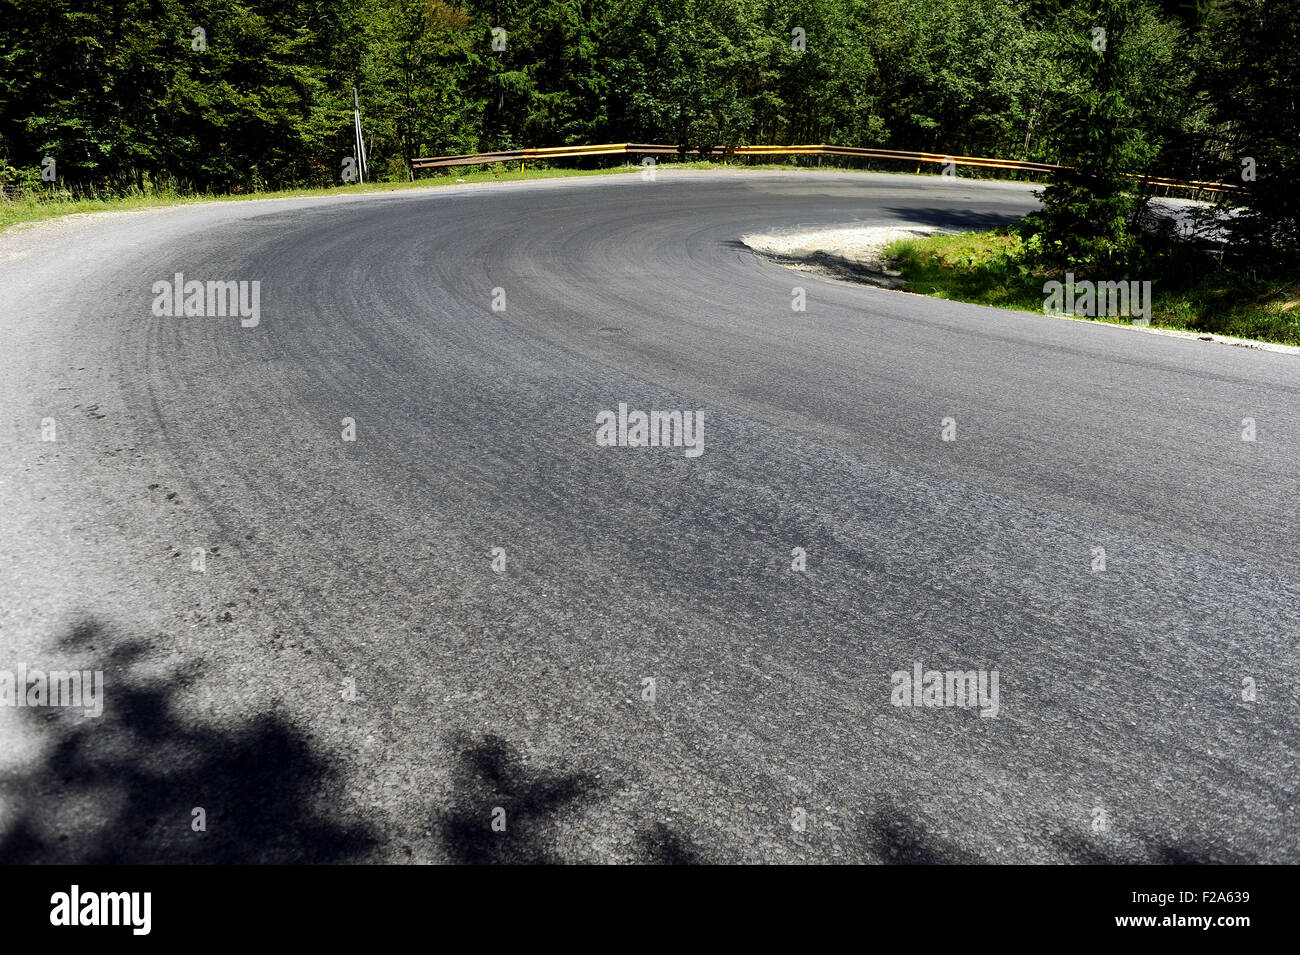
349	678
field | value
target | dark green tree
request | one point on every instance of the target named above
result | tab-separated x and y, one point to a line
1251	76
1118	58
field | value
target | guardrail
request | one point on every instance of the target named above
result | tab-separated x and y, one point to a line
523	155
724	152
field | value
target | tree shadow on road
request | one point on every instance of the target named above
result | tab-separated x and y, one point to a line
896	839
1078	848
122	788
493	785
660	845
952	220
491	776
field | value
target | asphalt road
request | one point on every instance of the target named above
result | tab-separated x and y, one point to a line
348	678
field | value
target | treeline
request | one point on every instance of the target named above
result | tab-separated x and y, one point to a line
238	95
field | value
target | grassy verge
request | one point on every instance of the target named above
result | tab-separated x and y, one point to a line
989	268
31	209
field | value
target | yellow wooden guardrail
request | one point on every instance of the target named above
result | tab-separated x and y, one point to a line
523	156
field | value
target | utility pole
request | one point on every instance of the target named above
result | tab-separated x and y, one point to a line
361	143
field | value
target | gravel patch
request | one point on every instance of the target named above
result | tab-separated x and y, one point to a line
853	253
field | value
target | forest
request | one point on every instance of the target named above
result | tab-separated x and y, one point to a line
249	95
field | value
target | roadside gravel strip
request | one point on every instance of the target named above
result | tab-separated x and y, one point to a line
855	254
349	679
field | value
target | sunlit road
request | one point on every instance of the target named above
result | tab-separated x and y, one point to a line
348	677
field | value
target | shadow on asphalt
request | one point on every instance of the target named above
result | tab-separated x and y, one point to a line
491	782
121	789
490	775
951	220
1157	852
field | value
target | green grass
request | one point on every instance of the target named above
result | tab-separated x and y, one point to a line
30	209
1190	294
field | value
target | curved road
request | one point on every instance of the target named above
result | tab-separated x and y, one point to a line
348	678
